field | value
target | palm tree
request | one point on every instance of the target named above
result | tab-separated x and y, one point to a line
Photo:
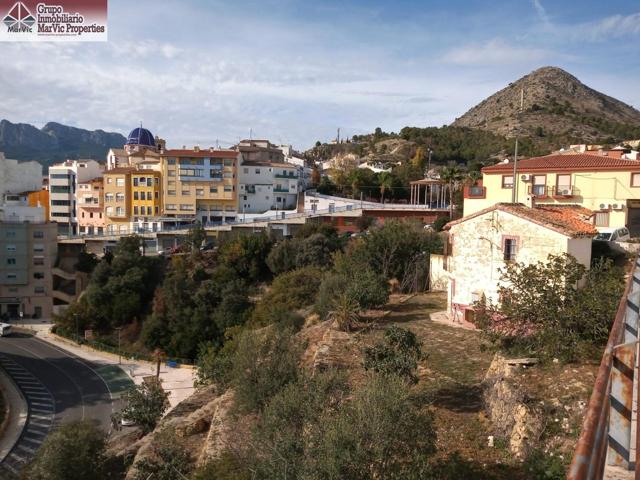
344	313
386	181
473	176
453	175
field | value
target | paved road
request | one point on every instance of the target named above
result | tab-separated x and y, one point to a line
59	387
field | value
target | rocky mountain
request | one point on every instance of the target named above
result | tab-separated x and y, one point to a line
55	142
557	108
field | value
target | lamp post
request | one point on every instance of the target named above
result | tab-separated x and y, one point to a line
21	314
119	351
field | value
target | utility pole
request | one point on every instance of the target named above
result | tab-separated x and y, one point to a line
514	188
338	137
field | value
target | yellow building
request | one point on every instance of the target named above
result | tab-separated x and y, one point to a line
608	186
200	184
146	194
117	199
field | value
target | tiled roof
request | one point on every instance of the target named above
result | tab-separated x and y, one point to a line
553	163
570	220
201	153
119	170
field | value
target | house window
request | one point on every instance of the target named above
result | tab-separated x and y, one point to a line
119	197
246	170
135	195
108	197
171	160
509	248
38	289
38	234
257	171
120	211
602	219
38	260
38	247
563	184
135	181
11	261
228	188
38	275
11	248
507	181
635	179
213	189
119	182
135	210
540	185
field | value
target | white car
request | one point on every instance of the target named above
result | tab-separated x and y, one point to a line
5	329
620	234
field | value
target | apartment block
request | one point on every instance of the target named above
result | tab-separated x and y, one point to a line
200	184
266	186
64	179
146	192
18	177
28	250
90	197
118	200
604	183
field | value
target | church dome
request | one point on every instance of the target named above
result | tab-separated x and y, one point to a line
141	136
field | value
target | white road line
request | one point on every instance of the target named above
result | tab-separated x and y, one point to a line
61	371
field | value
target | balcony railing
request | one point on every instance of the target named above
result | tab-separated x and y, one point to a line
539	191
282	175
564	191
280	190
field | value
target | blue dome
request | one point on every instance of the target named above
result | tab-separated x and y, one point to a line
141	136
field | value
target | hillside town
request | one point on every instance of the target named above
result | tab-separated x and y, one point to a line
319	241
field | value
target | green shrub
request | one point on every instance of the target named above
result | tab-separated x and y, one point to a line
398	353
264	362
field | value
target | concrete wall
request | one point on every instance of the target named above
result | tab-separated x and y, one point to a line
438	276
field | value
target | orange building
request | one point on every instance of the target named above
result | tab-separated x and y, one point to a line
39	198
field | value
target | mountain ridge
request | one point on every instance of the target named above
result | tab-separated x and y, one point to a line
55	142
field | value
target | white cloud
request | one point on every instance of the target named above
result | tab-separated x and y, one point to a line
541	11
494	52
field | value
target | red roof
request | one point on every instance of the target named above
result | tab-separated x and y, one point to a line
201	153
555	163
570	220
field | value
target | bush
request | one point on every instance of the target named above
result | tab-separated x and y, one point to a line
551	308
398	354
289	291
264	362
215	363
74	451
144	404
439	224
169	461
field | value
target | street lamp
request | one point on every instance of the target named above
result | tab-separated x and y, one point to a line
21	314
119	351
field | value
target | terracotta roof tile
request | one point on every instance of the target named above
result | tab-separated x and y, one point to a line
570	220
582	161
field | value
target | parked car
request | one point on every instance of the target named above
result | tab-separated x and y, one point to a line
620	234
5	329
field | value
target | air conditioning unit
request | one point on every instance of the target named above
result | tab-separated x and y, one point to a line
604	206
525	177
617	206
564	191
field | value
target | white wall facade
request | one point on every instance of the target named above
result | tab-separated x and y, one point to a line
264	186
63	191
18	177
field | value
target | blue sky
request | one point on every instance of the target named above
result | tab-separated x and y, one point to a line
294	71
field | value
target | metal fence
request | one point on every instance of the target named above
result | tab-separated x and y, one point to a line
606	438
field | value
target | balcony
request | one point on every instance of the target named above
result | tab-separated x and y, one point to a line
282	175
281	190
539	191
564	191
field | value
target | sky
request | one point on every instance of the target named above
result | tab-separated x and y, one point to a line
200	72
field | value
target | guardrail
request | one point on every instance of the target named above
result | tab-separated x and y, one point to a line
590	456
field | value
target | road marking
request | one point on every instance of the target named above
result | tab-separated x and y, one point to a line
60	370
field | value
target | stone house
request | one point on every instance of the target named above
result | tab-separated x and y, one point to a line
480	245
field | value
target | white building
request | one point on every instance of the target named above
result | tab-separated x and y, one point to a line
266	186
17	177
63	187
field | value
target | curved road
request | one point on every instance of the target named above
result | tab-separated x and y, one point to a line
59	387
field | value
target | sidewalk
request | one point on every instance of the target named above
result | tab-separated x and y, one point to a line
17	414
178	382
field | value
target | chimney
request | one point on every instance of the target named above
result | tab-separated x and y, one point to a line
196	148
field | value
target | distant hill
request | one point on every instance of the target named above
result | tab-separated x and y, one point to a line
55	142
558	109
